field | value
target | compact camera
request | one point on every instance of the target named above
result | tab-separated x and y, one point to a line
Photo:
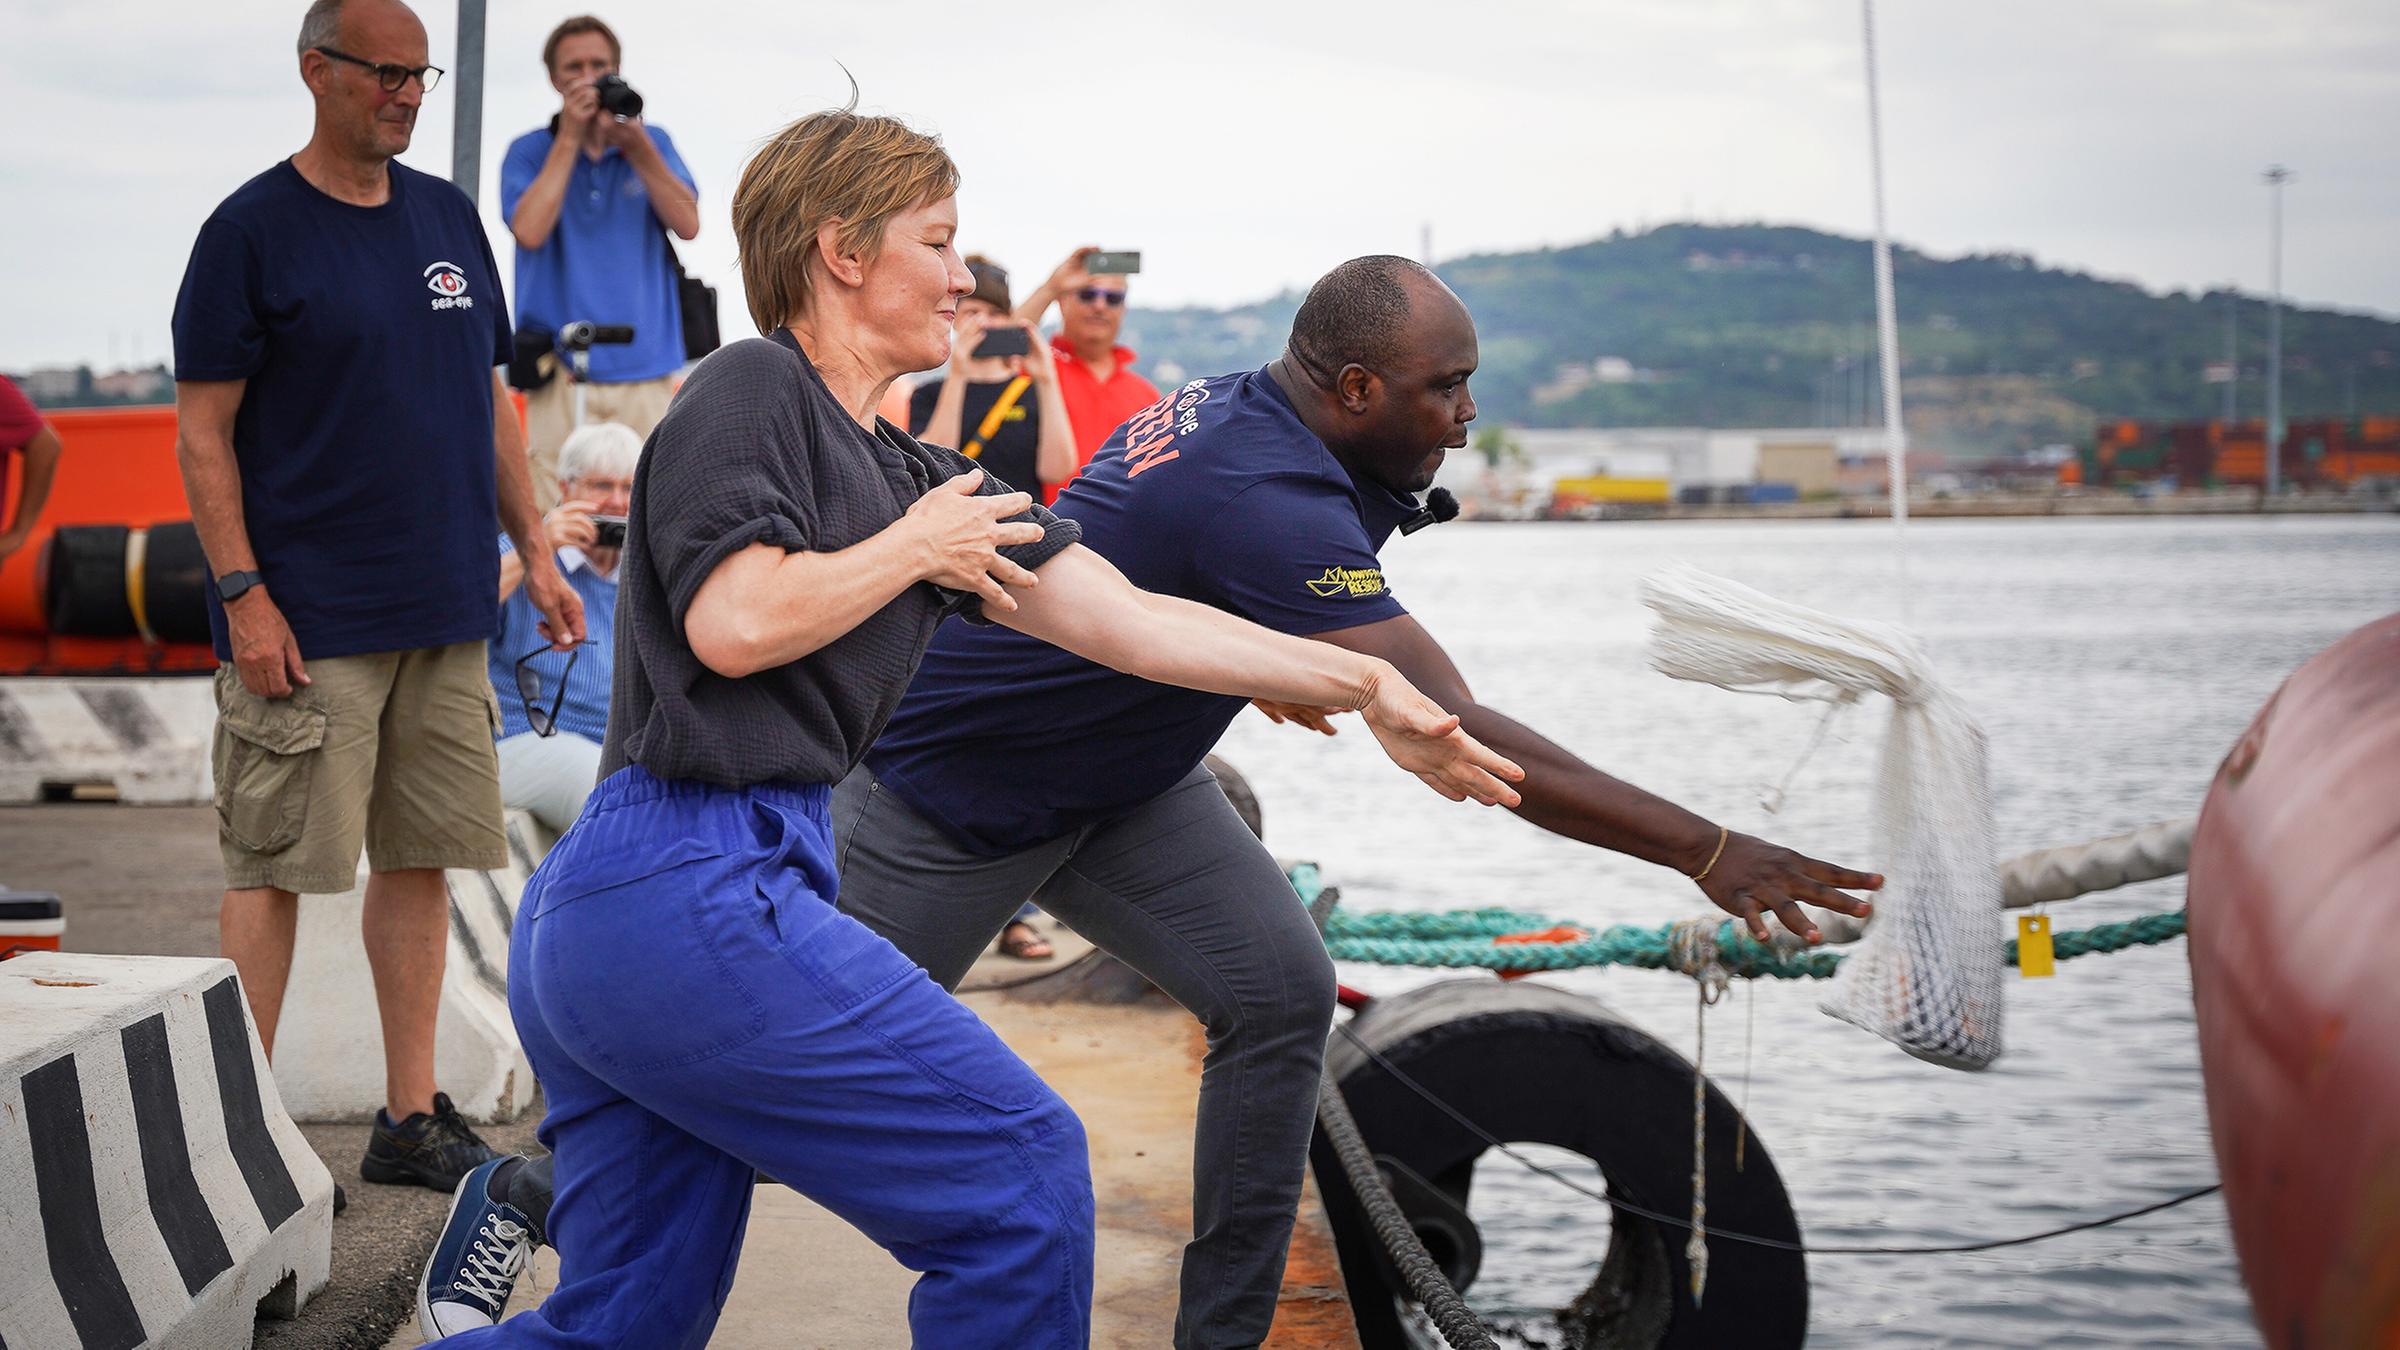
611	531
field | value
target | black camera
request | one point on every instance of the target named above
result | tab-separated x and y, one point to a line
611	531
617	96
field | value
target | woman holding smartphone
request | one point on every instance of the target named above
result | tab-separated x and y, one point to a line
696	1007
997	402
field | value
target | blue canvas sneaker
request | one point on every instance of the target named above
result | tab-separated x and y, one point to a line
474	1265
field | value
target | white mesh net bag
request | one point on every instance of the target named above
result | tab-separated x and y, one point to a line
1927	977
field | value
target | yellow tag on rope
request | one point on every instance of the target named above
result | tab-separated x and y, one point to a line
2034	958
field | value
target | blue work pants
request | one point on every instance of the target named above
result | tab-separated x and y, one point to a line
697	1011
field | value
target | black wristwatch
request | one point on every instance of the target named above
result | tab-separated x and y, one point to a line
234	585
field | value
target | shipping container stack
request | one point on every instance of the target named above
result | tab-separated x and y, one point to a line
2326	454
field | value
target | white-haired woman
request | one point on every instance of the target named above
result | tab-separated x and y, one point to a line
694	1003
554	705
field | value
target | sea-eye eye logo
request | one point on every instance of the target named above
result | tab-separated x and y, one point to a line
448	282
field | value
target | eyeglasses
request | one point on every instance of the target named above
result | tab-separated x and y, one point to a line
1094	295
390	76
544	721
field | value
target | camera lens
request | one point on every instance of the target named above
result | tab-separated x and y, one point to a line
617	96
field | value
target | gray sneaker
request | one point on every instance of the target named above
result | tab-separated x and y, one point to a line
428	1149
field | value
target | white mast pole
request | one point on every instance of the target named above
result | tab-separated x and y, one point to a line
2276	176
1887	326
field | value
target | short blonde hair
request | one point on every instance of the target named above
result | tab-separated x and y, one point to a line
832	165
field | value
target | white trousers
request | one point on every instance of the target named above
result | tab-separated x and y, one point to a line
548	775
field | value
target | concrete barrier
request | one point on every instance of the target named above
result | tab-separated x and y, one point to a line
153	1192
329	1047
146	738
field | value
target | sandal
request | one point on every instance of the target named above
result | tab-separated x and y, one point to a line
1020	941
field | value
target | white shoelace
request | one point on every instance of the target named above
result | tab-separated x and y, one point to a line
493	1262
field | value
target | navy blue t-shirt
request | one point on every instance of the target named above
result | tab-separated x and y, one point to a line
368	336
1217	493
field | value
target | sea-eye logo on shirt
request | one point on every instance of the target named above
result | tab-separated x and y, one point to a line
1348	581
448	282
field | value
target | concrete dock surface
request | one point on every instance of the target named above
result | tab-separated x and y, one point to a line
147	880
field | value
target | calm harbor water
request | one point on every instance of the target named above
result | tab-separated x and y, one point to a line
2112	663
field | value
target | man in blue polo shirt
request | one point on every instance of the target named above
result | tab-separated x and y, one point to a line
590	199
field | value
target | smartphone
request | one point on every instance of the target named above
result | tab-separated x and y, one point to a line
1116	264
1009	341
611	531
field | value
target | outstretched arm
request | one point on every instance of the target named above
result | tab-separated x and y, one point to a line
1567	796
1086	606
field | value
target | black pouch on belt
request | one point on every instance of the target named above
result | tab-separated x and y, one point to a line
525	362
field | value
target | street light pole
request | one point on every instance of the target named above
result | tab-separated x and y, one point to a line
466	129
2276	176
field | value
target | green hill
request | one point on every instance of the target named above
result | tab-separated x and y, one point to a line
1761	325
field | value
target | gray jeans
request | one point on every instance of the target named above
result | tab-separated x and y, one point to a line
1181	891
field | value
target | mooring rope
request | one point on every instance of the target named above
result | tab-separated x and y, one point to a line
1466	938
1509	1151
1457	1323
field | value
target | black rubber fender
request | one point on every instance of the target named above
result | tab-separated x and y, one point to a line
174	583
1532	1063
83	592
89	590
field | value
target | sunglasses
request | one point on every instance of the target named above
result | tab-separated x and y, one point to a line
544	721
390	76
1094	295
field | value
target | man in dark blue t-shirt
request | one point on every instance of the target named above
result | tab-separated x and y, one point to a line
349	455
1012	765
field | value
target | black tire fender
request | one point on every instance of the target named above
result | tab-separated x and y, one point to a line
1532	1063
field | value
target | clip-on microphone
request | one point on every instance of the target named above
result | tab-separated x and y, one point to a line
1439	506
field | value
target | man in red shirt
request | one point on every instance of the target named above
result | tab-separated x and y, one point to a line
22	429
1095	375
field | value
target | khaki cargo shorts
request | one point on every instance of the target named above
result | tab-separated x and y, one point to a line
392	750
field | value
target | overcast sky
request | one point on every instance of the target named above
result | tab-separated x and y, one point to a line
1247	145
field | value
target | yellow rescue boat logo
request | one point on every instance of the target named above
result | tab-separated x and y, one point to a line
1349	581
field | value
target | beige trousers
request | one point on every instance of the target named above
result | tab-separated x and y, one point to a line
550	418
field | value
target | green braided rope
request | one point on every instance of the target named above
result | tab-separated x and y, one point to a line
1463	938
2146	931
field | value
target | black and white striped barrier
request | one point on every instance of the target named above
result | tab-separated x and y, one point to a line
329	1062
146	738
152	1190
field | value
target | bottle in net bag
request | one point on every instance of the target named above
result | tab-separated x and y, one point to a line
1927	977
